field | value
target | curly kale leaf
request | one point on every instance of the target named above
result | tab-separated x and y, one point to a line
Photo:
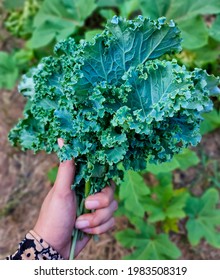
114	100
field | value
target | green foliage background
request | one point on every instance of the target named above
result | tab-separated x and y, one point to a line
155	211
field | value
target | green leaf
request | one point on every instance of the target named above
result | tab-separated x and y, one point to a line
52	174
204	217
132	191
214	31
19	20
126	7
207	55
115	155
154	38
12	4
108	3
8	71
107	13
187	14
170	225
147	244
165	202
89	35
48	31
186	159
194	32
113	100
211	122
58	19
180	10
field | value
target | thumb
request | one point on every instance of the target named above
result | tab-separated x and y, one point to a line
66	173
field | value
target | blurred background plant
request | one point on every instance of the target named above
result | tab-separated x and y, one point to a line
169	207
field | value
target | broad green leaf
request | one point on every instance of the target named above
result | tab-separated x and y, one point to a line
187	159
48	31
215	29
207	55
147	244
183	161
194	32
109	63
59	19
129	214
181	10
204	217
132	191
211	122
8	71
165	202
187	14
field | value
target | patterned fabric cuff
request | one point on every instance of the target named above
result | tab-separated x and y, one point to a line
33	247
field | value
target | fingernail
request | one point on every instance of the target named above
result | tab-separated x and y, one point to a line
82	224
60	142
92	204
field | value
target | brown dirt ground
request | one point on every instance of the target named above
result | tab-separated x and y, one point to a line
24	184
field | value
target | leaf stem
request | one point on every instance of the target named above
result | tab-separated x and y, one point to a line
73	246
77	234
87	188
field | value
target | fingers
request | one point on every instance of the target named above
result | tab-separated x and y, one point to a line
101	228
102	219
66	173
102	199
96	218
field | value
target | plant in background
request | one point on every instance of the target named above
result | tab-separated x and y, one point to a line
20	20
146	238
113	101
42	23
204	217
11	65
164	209
58	19
8	71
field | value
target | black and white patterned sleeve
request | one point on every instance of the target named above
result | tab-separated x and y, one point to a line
33	247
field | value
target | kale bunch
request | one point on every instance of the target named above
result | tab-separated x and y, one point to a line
114	100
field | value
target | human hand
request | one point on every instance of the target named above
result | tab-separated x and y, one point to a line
57	217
